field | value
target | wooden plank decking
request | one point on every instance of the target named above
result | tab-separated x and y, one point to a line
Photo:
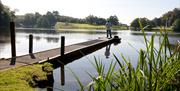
49	54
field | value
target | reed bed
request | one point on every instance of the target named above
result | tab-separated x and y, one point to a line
158	69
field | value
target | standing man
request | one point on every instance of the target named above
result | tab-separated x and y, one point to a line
108	28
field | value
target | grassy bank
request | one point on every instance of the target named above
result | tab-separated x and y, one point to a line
23	78
61	25
159	28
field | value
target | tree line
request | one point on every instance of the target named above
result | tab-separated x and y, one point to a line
49	20
170	19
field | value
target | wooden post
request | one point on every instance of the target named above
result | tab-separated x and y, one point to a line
13	39
62	75
62	58
30	44
62	46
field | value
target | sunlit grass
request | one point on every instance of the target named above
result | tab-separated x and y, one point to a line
22	78
61	25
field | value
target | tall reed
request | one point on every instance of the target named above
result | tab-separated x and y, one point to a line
158	69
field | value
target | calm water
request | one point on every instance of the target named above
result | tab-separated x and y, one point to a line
131	42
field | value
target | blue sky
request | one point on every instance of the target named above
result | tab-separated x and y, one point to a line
126	10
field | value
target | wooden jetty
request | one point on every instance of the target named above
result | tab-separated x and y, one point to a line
71	52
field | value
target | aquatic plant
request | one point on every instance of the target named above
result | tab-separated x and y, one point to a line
158	69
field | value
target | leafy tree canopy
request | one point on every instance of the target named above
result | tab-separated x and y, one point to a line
114	20
168	18
176	25
5	16
95	20
144	21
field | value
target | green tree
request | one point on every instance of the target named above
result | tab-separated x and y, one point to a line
91	19
51	19
135	24
19	19
5	16
156	22
29	20
37	20
43	22
170	17
114	20
176	25
101	21
56	15
144	21
177	12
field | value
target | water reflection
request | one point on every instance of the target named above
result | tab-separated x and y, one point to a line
107	51
48	38
72	57
62	75
37	38
36	30
52	39
4	36
72	37
4	40
149	33
108	48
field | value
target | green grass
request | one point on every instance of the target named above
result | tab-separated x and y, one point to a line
158	69
22	78
61	25
169	29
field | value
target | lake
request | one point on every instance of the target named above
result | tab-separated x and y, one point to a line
131	42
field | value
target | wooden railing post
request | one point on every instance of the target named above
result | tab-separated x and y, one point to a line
30	44
62	46
62	58
13	39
